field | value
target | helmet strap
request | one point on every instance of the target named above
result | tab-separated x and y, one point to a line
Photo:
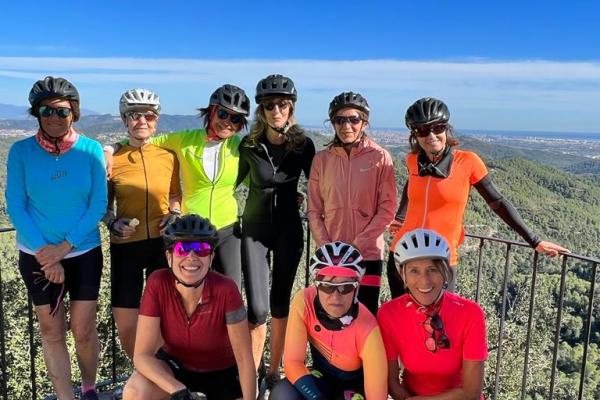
194	285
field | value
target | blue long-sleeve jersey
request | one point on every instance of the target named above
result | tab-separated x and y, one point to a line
50	199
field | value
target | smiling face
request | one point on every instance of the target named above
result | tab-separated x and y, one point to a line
424	280
190	268
336	305
348	132
223	127
433	143
142	128
54	125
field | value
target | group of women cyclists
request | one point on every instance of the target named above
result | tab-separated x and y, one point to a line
171	211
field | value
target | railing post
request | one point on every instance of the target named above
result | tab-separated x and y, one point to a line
32	348
529	324
502	318
479	270
561	298
588	330
2	342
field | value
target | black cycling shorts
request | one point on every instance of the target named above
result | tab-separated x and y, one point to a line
222	384
127	264
82	277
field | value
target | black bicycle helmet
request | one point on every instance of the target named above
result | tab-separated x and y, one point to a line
190	227
51	87
348	99
232	98
427	111
275	86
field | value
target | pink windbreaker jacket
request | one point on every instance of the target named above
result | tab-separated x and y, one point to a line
352	198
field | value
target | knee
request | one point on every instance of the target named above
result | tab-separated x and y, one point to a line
135	390
284	390
280	311
84	332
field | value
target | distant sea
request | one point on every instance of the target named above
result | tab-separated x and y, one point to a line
532	134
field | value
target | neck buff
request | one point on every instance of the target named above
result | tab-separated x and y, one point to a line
437	169
335	324
59	145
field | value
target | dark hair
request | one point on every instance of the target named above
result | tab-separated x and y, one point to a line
294	136
204	115
335	141
451	140
34	110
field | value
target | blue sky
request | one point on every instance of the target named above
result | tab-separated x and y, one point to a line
531	65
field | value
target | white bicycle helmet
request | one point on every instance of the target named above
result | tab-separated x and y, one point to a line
422	244
139	99
337	259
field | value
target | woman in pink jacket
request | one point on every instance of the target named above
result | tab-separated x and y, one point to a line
352	191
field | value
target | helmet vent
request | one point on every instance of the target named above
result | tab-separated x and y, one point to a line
415	241
426	237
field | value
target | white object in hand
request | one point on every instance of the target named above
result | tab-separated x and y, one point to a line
134	222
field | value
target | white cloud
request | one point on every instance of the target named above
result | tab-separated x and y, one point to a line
514	94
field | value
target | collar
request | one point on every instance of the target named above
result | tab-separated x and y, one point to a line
56	146
335	324
439	169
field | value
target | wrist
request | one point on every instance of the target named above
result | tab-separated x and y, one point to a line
68	245
175	211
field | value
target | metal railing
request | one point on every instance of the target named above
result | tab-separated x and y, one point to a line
483	240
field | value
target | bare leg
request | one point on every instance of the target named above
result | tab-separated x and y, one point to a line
87	346
278	326
138	387
258	334
56	355
126	321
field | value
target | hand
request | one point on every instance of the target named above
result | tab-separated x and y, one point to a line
122	229
51	254
54	273
183	394
166	221
394	227
550	249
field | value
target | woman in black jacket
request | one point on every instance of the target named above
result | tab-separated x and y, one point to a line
272	157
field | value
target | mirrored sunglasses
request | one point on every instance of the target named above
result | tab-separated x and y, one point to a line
425	130
342	288
341	120
234	118
136	116
282	105
61	112
201	249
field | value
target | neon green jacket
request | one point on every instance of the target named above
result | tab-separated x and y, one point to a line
213	200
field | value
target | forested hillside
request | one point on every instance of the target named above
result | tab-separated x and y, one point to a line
558	205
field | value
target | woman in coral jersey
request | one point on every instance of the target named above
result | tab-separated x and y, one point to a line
343	336
440	177
436	337
352	191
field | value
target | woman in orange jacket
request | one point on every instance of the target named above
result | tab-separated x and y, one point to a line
352	191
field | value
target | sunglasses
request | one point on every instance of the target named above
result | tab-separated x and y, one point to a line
61	112
438	339
234	118
282	105
353	120
149	116
342	288
425	130
201	249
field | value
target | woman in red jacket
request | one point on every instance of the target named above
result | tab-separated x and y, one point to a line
352	191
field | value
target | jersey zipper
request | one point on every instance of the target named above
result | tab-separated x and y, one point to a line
147	194
426	201
274	194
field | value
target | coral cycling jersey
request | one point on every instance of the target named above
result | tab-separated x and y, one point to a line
426	373
357	348
439	203
211	199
